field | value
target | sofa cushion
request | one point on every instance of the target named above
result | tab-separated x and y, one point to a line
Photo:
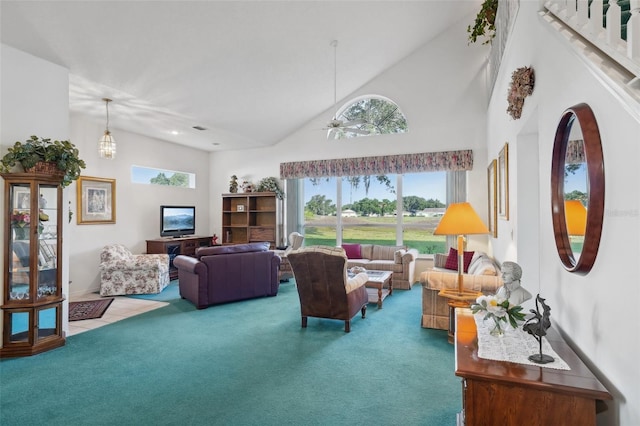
482	264
452	260
234	248
381	252
366	251
353	251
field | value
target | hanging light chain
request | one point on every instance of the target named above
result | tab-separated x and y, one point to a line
107	100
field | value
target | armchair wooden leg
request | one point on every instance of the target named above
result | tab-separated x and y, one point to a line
347	326
304	322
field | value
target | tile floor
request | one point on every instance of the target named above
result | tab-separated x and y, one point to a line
122	307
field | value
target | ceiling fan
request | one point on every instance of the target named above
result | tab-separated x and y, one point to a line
335	126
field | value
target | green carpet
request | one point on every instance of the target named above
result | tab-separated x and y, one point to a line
243	363
170	292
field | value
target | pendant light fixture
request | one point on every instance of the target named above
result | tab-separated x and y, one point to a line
107	144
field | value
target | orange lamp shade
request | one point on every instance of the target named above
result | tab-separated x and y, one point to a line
576	217
460	219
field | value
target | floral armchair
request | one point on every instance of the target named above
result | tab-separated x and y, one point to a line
124	273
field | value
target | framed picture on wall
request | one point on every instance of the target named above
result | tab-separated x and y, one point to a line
96	200
492	186
503	182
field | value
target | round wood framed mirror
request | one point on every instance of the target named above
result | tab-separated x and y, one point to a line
577	216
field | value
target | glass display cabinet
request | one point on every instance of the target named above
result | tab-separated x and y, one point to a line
32	290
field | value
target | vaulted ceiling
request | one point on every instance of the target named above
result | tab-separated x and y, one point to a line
249	72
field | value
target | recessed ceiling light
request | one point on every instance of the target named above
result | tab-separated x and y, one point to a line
175	132
215	143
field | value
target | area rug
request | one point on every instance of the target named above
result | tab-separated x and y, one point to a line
88	309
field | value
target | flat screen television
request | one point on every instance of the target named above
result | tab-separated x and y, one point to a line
177	221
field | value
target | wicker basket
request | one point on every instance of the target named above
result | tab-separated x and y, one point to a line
45	168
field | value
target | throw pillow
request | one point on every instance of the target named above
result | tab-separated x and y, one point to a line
397	255
353	251
483	265
452	260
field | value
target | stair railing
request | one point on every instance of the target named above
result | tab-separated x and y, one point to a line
615	32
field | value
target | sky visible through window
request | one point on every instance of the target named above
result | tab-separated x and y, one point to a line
144	175
577	180
427	185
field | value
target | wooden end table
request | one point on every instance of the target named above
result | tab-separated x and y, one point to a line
457	300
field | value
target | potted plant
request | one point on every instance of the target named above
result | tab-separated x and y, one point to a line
43	155
270	184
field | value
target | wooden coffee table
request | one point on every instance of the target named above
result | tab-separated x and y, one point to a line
379	286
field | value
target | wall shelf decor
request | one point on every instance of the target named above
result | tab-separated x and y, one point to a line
522	82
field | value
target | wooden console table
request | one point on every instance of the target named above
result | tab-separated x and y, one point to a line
506	393
176	246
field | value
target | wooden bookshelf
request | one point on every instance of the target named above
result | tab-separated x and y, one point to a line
249	217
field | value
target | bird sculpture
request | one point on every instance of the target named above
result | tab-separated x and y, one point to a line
537	326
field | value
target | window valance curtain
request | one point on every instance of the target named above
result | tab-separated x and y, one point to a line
575	152
368	166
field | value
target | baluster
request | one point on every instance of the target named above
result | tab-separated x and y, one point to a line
614	18
570	11
551	6
583	12
633	31
595	21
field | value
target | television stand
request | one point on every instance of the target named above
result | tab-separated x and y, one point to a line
174	246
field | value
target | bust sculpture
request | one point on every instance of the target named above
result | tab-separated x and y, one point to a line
512	290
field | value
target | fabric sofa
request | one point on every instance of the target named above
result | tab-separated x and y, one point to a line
228	273
398	259
483	275
122	272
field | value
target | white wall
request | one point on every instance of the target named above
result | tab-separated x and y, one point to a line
34	101
598	312
137	205
443	114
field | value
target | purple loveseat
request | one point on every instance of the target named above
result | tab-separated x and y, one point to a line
228	273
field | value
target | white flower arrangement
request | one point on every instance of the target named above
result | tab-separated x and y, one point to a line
499	309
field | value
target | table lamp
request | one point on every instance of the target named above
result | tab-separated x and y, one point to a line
576	217
460	219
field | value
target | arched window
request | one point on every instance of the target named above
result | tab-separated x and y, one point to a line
376	115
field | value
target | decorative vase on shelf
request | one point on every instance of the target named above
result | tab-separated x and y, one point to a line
22	233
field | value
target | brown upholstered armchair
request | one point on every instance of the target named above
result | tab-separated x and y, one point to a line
324	288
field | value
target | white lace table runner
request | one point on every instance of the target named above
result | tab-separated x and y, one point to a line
514	346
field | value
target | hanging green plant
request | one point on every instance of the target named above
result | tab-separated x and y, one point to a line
484	24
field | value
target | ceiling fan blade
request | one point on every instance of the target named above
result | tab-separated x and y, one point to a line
354	122
331	134
358	131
